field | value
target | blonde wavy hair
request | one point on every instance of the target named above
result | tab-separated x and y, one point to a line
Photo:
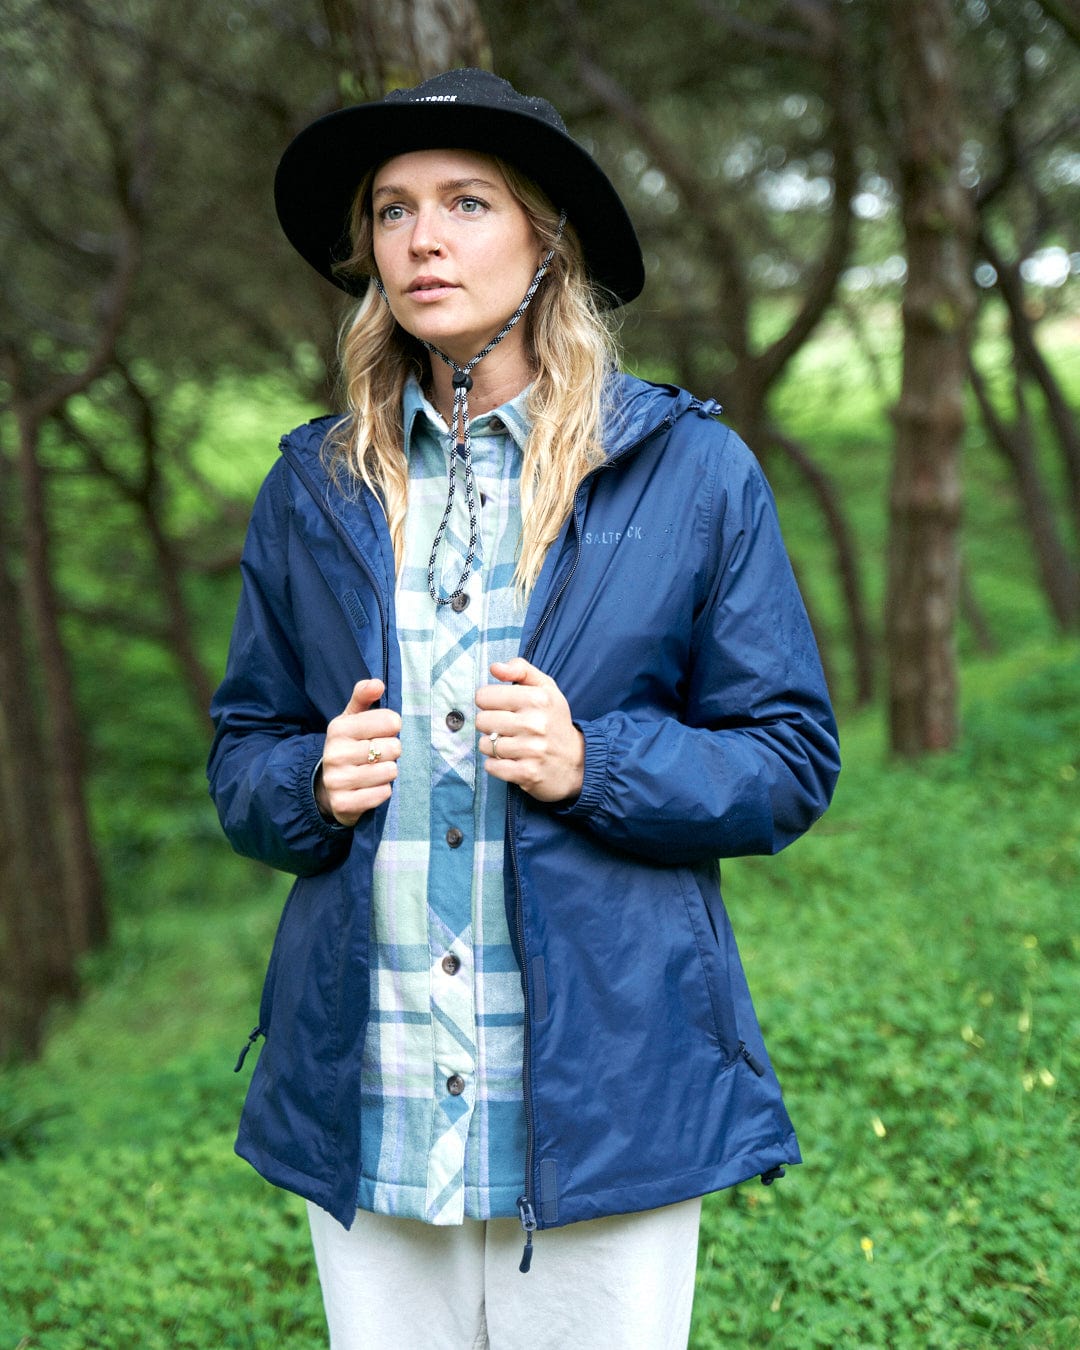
570	344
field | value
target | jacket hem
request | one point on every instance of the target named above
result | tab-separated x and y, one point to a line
633	1199
670	1190
299	1183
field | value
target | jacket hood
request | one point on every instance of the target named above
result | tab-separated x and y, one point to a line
636	409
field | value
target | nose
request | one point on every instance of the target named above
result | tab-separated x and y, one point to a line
424	241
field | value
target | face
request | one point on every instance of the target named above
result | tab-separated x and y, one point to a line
454	248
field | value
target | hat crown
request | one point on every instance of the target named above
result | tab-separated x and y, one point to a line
465	109
478	89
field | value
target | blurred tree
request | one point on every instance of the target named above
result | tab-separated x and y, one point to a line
760	149
139	258
1022	156
1066	13
38	964
379	47
735	145
925	494
764	152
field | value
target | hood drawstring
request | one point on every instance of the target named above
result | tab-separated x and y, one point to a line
460	438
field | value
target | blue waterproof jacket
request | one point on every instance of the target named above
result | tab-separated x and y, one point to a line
667	614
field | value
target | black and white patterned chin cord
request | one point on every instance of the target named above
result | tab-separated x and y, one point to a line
460	439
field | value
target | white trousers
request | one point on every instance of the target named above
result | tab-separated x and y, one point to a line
620	1283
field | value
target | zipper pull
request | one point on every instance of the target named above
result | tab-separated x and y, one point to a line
755	1064
256	1033
528	1222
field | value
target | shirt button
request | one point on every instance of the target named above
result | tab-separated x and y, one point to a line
455	1085
454	837
451	964
455	720
497	424
460	602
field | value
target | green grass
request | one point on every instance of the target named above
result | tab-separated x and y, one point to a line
916	960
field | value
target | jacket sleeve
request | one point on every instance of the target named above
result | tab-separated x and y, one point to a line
268	735
751	760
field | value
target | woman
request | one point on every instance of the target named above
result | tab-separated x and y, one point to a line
518	656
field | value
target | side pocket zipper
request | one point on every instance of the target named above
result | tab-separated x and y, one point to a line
255	1034
755	1064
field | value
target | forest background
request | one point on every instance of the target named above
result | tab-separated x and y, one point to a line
861	231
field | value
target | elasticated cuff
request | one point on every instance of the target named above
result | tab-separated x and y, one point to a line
328	828
595	779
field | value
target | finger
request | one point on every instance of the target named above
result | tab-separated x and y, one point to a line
356	752
376	750
519	671
342	780
503	720
504	769
364	694
348	807
507	697
503	749
368	725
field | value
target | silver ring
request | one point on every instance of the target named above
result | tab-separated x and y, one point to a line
373	754
494	738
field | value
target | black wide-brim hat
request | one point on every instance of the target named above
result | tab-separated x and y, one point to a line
459	110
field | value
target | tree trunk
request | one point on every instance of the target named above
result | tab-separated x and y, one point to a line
819	35
385	46
925	494
64	743
846	564
37	964
1029	357
1058	573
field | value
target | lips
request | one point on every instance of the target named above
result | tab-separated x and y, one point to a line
423	284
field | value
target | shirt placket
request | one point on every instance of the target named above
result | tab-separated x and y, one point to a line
454	679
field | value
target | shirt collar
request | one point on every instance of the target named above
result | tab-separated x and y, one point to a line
415	405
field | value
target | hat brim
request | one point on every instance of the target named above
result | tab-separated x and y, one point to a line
321	168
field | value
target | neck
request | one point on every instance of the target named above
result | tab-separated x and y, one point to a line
499	377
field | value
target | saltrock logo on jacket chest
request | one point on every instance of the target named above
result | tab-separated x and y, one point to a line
626	535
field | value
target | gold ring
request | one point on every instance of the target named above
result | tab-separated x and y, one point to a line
373	755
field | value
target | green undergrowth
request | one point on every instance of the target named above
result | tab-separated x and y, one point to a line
916	961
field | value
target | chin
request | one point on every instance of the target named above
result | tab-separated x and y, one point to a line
461	347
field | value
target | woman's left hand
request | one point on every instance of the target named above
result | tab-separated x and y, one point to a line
537	747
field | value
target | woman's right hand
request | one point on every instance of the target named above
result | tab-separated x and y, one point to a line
349	780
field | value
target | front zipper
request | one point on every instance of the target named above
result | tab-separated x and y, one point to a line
526	1213
528	1222
524	1205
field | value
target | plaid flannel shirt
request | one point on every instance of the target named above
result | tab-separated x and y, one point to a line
442	1114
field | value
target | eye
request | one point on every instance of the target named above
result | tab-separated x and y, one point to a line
471	206
390	214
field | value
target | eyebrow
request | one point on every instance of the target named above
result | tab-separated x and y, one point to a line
447	185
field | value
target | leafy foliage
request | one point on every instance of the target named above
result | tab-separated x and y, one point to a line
922	967
917	965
